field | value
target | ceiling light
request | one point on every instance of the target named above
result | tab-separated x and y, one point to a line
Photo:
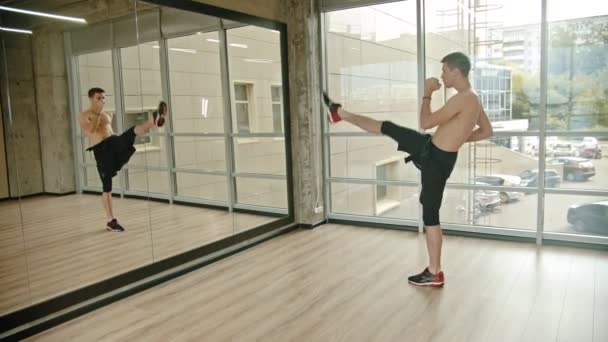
242	46
177	49
183	50
254	60
15	30
213	40
204	106
42	14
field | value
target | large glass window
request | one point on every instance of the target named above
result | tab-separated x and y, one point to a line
371	68
495	183
254	59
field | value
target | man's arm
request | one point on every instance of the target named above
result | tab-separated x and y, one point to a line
484	130
430	119
85	121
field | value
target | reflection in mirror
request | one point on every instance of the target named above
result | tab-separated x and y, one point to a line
87	134
65	226
257	120
14	279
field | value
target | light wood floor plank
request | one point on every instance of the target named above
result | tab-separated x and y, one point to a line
66	245
600	303
342	283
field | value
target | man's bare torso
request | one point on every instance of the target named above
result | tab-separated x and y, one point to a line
97	127
451	135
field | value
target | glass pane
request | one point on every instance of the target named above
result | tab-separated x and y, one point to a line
389	201
14	125
577	96
276	94
242	114
201	186
205	154
148	181
360	157
254	59
195	81
576	214
262	192
578	162
489	208
277	118
240	92
260	155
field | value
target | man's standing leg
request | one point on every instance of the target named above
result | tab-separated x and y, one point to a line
434	241
433	185
106	198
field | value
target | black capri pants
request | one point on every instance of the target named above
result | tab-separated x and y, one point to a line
111	154
435	165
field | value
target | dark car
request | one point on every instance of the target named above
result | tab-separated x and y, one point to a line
529	178
576	168
589	217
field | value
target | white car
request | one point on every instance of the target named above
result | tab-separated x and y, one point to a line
563	149
503	180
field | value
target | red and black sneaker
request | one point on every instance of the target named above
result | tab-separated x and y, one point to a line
114	226
426	278
160	114
332	114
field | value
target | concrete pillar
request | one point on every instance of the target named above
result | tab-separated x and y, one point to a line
53	111
306	112
22	138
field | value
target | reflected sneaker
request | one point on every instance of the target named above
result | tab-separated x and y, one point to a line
426	278
332	114
114	226
160	114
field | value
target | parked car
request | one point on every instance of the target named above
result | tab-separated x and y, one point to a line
486	200
589	217
503	180
563	149
575	168
529	178
589	148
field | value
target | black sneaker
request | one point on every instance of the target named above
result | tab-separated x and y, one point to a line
426	278
114	226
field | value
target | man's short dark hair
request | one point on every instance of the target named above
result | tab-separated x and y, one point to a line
459	61
94	91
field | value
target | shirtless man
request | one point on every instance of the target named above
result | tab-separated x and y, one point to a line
435	155
112	151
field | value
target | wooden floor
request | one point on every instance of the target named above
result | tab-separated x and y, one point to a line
341	283
64	245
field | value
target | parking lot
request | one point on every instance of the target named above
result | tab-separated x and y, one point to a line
519	214
522	213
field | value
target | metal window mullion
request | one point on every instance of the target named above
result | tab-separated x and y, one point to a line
199	172
120	107
259	176
542	112
421	61
169	140
228	141
324	125
194	134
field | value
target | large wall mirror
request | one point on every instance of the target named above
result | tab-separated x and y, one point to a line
134	141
